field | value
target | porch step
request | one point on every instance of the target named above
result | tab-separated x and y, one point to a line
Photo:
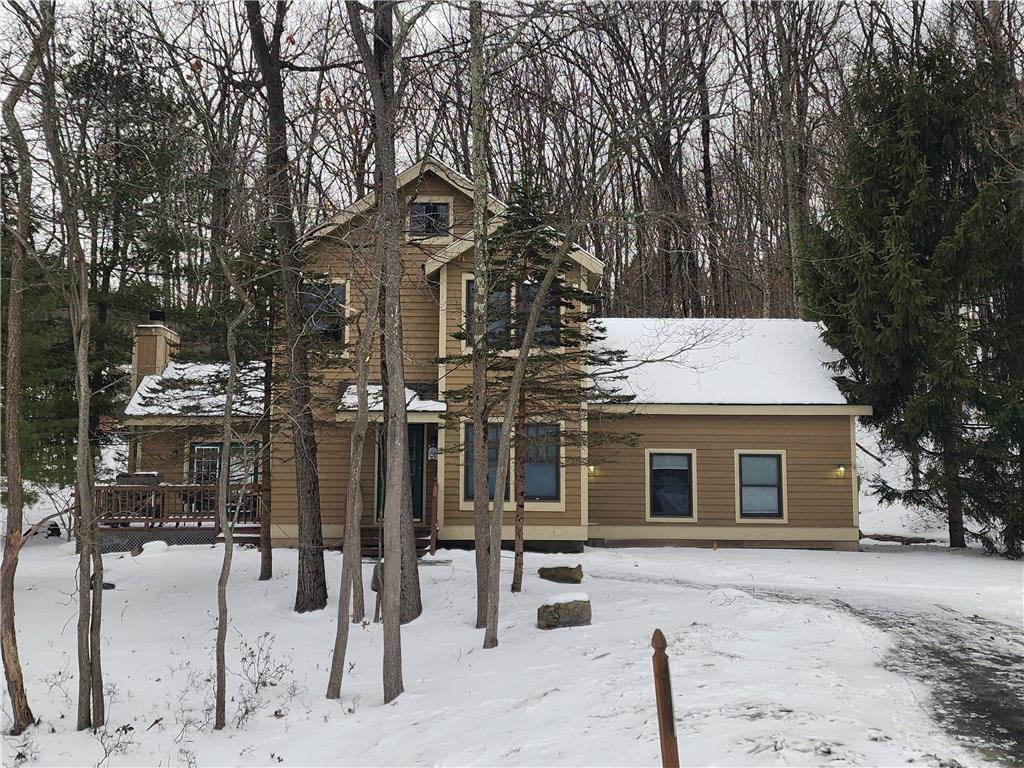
244	533
372	542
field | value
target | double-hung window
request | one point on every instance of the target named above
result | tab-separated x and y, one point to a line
670	485
542	462
498	311
204	463
548	331
429	219
760	486
493	431
324	303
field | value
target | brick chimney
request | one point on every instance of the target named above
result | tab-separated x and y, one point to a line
152	347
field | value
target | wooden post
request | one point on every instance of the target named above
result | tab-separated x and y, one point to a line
663	694
433	519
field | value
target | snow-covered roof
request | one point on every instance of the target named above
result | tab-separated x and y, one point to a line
197	389
375	397
726	362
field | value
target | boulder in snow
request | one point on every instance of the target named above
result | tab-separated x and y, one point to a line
572	610
562	574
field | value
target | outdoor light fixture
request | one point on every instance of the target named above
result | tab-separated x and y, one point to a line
591	469
840	470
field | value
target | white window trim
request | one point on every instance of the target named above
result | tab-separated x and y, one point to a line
346	311
435	239
757	520
187	459
510	503
692	453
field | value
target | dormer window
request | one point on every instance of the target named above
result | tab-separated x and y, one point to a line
429	219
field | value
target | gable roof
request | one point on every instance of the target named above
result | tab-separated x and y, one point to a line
197	390
460	245
721	362
429	163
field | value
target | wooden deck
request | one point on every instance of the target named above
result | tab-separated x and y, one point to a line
129	515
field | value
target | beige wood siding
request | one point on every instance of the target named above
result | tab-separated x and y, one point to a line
813	445
165	449
333	461
333	449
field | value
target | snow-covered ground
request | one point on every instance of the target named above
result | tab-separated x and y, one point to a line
778	658
876	517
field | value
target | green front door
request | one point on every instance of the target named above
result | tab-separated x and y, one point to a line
416	440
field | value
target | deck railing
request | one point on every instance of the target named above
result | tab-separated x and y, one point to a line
174	505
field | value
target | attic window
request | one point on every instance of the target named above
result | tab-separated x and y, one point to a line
429	218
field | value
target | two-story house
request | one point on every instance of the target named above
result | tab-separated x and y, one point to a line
740	436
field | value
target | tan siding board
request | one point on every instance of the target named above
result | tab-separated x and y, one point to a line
165	449
814	445
333	466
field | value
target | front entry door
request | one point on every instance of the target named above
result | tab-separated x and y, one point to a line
416	440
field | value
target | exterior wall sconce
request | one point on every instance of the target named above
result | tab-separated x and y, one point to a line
591	469
840	470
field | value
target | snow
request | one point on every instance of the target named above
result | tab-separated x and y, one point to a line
567	597
715	361
155	548
877	517
757	679
197	389
375	396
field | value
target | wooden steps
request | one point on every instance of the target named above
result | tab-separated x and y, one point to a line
249	534
244	534
370	536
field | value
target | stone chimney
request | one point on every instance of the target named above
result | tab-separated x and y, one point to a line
152	348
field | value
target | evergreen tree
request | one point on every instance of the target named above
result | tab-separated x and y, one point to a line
568	342
48	410
912	271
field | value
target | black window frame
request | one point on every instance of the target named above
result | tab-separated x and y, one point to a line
779	487
320	296
428	222
500	333
548	333
467	464
556	446
691	462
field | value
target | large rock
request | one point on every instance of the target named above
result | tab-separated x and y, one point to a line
562	574
564	611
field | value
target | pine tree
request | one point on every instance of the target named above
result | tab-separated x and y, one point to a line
905	272
568	343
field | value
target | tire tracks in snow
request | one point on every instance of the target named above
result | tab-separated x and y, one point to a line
972	666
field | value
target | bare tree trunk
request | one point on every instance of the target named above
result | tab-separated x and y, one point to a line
311	586
481	281
266	543
517	568
379	65
90	562
351	562
954	498
412	600
792	116
21	713
220	216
